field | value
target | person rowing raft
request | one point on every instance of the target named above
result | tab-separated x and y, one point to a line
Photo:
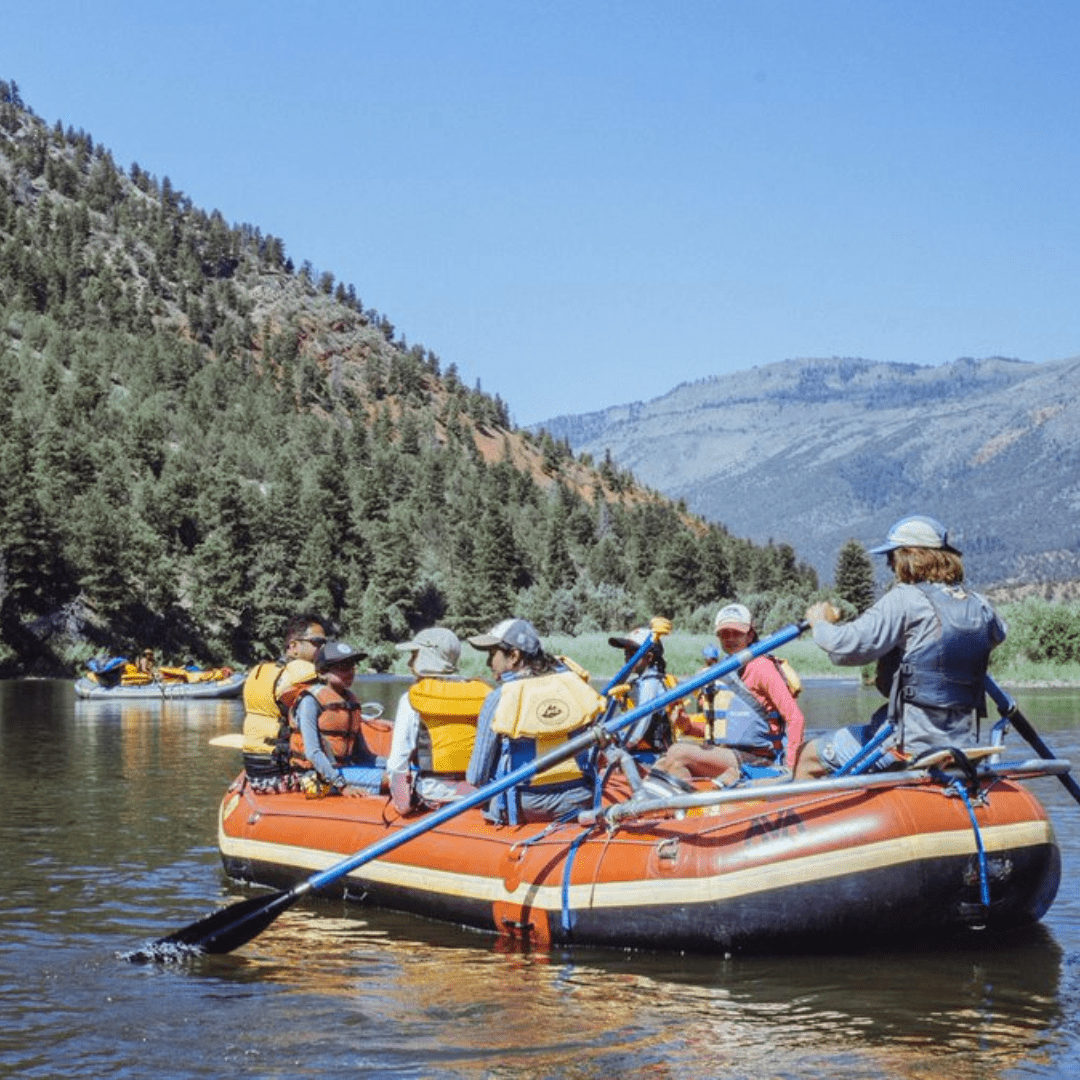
932	640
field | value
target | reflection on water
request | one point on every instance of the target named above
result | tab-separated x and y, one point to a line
108	836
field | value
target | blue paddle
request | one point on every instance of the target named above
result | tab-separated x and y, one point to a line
235	925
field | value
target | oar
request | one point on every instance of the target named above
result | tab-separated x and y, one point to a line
234	740
1008	709
235	925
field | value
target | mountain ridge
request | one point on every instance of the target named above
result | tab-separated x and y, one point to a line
844	446
200	439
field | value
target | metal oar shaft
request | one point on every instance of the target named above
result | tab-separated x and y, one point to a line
824	786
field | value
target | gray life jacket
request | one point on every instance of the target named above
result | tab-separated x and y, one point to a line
950	671
750	724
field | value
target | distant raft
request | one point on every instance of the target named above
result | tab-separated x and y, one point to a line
117	679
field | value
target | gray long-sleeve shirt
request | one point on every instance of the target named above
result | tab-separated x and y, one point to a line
904	618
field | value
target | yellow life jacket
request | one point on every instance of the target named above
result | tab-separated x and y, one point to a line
212	674
269	691
130	675
448	709
791	676
545	710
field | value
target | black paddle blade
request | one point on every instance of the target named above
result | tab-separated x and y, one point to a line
1034	740
222	931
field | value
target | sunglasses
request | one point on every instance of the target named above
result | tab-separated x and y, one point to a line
318	642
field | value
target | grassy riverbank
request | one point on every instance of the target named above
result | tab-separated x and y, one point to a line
683	652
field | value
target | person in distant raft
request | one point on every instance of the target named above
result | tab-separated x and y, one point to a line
537	705
327	751
932	640
435	724
270	690
764	724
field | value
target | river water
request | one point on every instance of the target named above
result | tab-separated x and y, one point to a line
107	840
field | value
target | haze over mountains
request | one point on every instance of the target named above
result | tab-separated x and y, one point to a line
814	452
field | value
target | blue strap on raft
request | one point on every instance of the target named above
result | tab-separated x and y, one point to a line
567	916
966	786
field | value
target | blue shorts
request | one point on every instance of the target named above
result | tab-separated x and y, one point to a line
837	749
369	777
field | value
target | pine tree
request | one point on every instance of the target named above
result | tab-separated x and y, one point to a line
855	576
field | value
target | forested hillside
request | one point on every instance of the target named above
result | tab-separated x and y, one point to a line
201	437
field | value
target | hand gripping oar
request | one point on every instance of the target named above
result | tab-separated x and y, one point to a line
1008	709
235	925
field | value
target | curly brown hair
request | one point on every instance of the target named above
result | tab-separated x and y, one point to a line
915	564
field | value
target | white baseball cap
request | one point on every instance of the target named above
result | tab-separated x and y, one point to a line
736	616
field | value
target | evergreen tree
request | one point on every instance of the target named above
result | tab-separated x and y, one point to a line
674	583
854	576
559	570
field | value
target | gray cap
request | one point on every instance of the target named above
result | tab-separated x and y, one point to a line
510	634
916	532
437	651
334	653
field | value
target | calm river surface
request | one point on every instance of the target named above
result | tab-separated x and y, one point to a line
107	840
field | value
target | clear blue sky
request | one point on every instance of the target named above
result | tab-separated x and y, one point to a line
586	202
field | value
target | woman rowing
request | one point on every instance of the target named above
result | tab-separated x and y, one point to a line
931	639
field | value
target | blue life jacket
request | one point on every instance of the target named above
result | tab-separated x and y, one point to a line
653	732
750	724
102	666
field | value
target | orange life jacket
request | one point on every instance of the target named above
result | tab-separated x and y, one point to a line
340	727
